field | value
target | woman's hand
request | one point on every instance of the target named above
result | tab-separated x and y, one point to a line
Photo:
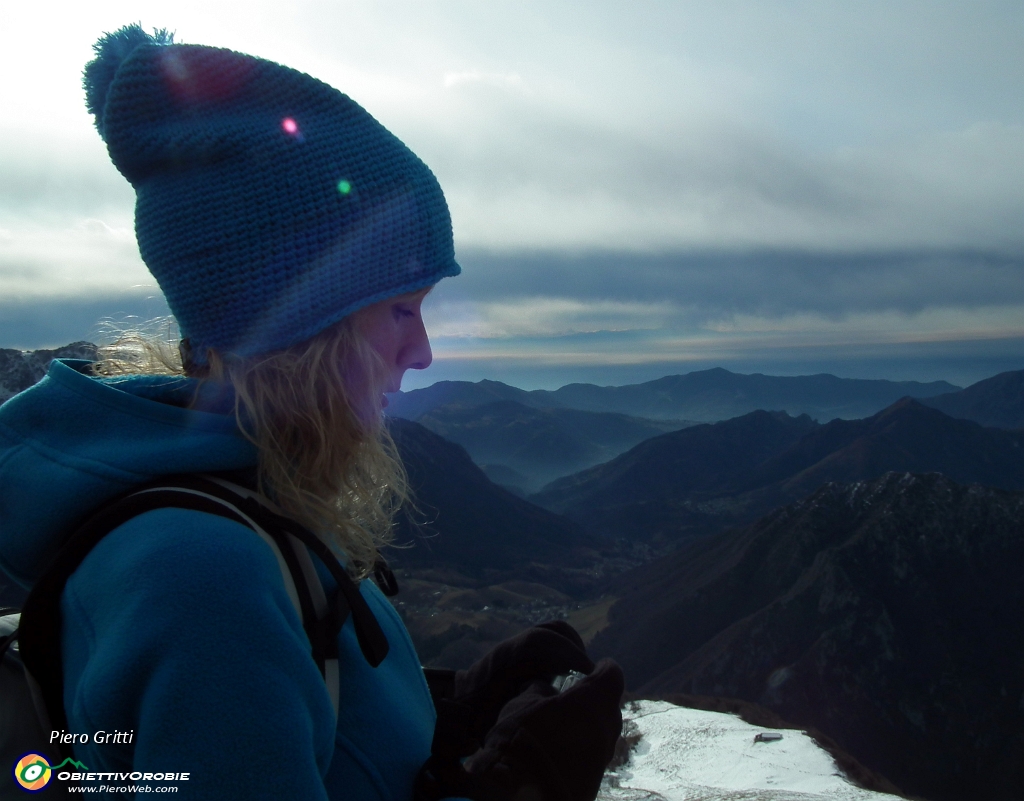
523	737
477	695
555	747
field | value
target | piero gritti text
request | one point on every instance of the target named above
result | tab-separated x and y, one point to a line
100	737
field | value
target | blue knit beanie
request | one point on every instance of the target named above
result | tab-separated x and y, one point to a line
268	204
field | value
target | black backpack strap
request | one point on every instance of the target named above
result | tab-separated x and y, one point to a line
39	632
348	600
321	619
372	641
384	576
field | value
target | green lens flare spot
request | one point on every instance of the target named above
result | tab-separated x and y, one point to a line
344	187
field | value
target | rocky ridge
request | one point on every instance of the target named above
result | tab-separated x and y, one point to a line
886	614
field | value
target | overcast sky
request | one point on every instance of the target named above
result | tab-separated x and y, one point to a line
636	189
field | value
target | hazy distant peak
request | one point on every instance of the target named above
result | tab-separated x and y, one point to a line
702	395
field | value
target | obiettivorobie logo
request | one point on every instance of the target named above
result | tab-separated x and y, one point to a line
33	772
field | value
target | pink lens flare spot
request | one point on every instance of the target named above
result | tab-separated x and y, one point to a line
290	126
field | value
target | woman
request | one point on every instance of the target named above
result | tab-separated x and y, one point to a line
294	239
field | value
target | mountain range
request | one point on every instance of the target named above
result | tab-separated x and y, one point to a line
702	396
884	613
526	439
688	483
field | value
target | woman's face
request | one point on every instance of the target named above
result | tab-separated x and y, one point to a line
394	329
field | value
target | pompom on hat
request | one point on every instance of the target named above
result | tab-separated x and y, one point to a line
269	205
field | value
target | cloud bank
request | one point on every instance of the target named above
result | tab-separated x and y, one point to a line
743	181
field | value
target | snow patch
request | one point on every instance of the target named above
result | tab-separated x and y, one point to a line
692	755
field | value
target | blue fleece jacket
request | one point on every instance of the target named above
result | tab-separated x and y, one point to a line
177	627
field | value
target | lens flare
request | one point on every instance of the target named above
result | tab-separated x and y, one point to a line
344	187
291	127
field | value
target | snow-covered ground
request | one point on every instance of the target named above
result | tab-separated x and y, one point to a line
692	755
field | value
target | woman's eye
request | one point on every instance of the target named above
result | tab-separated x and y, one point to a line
403	311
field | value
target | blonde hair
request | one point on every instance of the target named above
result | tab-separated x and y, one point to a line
313	413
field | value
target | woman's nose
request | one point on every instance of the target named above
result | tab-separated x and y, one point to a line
417	353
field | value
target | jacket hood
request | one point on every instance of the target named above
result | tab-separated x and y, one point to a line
73	442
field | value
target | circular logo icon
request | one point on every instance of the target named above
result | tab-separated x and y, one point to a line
32	772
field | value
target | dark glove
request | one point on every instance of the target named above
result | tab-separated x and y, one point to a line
545	745
478	694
